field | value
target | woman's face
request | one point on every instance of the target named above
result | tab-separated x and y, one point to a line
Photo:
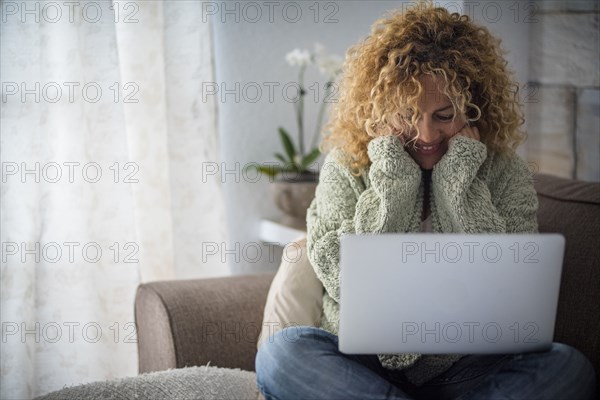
436	124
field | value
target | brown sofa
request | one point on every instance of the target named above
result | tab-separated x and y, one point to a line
188	323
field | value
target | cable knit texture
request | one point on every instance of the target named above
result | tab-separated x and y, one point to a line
472	191
191	383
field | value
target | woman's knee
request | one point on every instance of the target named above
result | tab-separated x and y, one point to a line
275	349
570	373
570	362
288	348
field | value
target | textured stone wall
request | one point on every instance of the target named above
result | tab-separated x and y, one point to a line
563	93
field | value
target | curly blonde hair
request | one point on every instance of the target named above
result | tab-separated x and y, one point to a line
379	87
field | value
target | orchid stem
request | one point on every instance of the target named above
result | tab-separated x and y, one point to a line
320	117
300	113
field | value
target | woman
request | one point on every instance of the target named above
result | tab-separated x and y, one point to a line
423	139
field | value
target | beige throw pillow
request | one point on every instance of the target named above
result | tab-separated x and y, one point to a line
296	294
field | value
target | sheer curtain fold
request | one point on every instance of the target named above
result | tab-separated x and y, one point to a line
141	50
94	197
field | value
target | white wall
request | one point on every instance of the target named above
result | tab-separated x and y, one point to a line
564	128
252	54
509	21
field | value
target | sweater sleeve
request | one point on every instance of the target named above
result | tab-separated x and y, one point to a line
465	198
342	205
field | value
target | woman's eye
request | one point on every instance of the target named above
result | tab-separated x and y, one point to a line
445	117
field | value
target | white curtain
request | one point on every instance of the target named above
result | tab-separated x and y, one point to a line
104	140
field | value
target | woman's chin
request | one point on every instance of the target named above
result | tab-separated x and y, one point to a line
426	164
426	161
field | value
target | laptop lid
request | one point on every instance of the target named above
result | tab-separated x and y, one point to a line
448	293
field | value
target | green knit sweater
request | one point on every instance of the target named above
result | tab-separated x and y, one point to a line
473	190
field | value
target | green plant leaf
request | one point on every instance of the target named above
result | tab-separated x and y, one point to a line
290	150
269	170
273	170
310	158
281	158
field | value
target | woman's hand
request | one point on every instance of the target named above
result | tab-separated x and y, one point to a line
403	137
468	131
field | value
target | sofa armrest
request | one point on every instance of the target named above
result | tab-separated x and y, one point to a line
191	322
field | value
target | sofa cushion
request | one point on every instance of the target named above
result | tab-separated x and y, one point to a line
296	294
204	382
573	209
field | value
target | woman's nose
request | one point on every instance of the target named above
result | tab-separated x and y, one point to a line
428	132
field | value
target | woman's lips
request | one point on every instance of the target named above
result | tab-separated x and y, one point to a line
428	150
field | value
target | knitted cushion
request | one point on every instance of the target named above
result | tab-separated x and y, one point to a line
191	383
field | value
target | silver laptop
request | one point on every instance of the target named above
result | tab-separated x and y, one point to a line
448	293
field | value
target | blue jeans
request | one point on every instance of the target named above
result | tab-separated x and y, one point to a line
305	363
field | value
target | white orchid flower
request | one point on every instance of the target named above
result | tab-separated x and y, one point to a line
319	48
329	65
298	57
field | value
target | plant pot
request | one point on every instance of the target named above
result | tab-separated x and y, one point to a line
293	193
